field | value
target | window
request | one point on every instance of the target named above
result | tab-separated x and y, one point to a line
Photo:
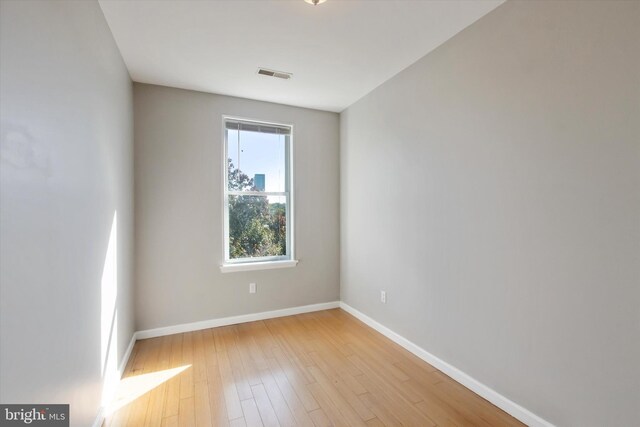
258	220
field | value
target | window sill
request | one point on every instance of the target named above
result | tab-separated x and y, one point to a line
249	266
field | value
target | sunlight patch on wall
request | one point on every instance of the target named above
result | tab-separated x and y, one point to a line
108	316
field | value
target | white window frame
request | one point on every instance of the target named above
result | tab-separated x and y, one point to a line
258	263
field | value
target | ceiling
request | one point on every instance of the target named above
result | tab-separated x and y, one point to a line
337	51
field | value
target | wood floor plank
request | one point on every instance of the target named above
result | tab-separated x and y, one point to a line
244	371
341	369
374	422
279	405
201	402
423	371
344	403
297	379
157	395
377	371
199	364
238	422
186	414
442	410
217	402
263	338
474	403
232	401
380	361
315	369
379	409
251	414
320	419
290	396
218	335
291	354
330	409
248	333
267	413
148	357
327	326
172	396
337	385
170	421
401	409
441	416
209	347
244	362
293	340
186	379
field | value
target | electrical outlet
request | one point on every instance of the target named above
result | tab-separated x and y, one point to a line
252	288
383	297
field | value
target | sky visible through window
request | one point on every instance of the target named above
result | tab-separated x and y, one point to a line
259	153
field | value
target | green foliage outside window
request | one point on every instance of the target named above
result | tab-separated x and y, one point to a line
257	228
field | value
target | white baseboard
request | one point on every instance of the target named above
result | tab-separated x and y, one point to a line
472	384
214	323
509	406
127	354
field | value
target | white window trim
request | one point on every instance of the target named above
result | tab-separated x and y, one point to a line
261	263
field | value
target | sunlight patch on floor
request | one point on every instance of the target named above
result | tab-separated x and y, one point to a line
131	388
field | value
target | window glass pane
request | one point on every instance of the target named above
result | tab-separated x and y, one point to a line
256	161
257	226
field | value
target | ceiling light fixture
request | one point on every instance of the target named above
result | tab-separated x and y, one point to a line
315	2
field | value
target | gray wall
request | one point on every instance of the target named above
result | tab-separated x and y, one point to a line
66	168
178	193
493	190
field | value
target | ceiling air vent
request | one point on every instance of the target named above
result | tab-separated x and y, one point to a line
277	74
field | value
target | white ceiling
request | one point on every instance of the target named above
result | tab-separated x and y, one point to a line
337	51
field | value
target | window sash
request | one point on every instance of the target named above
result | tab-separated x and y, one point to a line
249	126
272	128
257	193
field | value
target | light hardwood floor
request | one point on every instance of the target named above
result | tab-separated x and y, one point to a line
317	369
